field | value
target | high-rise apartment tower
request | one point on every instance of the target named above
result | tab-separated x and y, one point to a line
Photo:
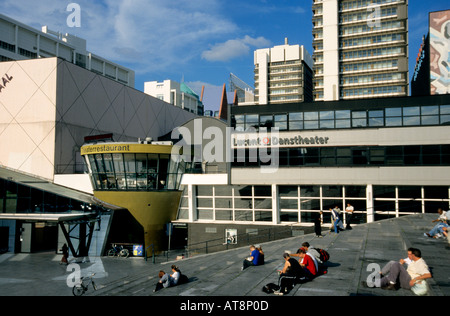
360	49
283	74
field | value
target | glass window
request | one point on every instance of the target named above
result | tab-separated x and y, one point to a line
311	116
297	125
239	118
311	124
243	216
359	119
310	204
343	123
430	110
130	163
359	114
411	120
243	190
445	119
384	209
326	124
414	192
411	111
394	155
343	114
393	112
332	191
266	121
289	216
224	215
205	214
377	156
312	156
288	191
376	118
243	203
332	203
204	202
280	121
263	203
295	157
252	118
204	190
280	118
393	121
223	203
412	155
263	190
263	216
310	191
355	191
435	192
297	116
430	120
327	115
445	109
291	204
431	156
328	156
223	190
383	191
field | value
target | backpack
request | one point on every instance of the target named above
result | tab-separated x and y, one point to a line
270	288
324	255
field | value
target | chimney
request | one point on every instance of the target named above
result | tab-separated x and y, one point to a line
286	41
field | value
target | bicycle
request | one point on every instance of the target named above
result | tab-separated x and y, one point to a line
80	289
118	251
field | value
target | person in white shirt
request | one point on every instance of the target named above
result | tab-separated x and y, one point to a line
349	214
395	275
442	222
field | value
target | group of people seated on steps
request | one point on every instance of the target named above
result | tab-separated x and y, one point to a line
310	263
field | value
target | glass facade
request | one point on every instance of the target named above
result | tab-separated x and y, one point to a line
21	199
426	115
135	172
291	204
394	201
425	155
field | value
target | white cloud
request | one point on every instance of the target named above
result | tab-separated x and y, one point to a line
234	48
149	35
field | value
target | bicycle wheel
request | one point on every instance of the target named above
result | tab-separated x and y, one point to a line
124	253
111	253
78	290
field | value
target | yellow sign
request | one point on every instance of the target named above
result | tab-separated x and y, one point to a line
125	148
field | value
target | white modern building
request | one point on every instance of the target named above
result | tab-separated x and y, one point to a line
388	157
360	49
19	42
49	108
283	74
175	93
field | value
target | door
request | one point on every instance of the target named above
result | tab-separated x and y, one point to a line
25	237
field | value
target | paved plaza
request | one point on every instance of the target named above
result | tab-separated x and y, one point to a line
219	274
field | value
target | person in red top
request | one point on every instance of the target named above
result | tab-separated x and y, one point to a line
307	263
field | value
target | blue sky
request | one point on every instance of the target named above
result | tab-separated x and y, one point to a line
202	41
